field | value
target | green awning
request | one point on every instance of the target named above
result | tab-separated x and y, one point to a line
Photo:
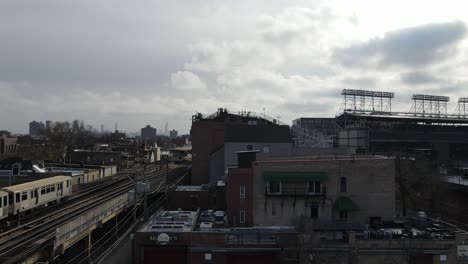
300	176
345	204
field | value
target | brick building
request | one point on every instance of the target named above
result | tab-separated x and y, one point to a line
183	237
350	188
290	190
208	136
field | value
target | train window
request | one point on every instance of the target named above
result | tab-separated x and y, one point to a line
48	189
43	190
0	203
32	195
24	196
68	183
4	201
17	198
52	188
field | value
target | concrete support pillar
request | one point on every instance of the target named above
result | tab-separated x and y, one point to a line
88	245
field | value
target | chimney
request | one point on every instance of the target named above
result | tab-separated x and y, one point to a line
245	158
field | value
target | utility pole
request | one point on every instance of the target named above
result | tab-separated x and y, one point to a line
167	171
145	202
135	192
135	197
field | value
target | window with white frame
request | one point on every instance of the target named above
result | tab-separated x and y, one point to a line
241	217
314	187
266	149
242	192
274	187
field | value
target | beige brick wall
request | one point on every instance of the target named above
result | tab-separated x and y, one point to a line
370	184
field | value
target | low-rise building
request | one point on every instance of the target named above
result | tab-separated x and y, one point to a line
120	159
285	191
8	145
203	237
351	188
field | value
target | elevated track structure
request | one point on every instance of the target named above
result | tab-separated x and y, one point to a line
48	234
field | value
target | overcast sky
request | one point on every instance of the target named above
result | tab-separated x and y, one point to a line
148	62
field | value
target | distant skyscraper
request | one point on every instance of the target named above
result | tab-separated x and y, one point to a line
166	129
173	133
148	132
102	129
116	126
49	124
35	128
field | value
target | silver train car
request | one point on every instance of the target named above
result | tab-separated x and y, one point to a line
21	198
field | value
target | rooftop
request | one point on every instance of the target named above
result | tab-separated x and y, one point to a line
181	149
191	188
171	221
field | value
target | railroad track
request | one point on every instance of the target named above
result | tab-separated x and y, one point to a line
20	242
78	193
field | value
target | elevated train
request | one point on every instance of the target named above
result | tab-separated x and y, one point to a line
22	198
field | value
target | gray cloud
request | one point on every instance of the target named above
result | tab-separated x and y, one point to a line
419	77
364	82
155	61
307	108
415	46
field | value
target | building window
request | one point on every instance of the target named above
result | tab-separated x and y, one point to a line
343	184
266	149
242	192
249	147
241	217
314	211
273	209
343	215
314	187
274	187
